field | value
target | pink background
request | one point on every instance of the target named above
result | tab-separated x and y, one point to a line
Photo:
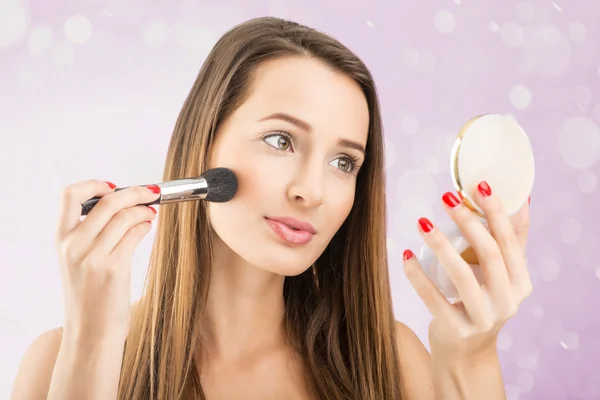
91	89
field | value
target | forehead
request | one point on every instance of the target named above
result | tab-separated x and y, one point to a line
331	102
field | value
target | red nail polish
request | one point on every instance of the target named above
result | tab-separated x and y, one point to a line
529	200
450	199
110	184
407	254
425	224
153	188
484	189
153	209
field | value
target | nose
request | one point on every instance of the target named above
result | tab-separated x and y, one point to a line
307	187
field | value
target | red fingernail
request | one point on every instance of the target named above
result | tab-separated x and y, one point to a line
407	254
153	188
110	184
529	200
484	189
150	222
153	209
450	199
425	224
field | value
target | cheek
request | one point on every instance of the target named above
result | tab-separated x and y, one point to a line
261	179
256	168
340	197
260	185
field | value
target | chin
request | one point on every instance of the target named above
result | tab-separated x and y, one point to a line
272	255
263	248
278	259
285	265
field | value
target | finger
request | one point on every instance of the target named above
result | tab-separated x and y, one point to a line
126	247
72	198
108	207
457	269
504	234
520	223
493	271
118	227
434	300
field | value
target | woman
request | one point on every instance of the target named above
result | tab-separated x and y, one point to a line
282	292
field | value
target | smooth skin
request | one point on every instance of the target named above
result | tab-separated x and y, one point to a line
305	176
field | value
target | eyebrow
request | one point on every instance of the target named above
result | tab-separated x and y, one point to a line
307	127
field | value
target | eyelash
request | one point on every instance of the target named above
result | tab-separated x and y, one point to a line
353	159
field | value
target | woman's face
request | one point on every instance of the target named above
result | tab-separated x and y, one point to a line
296	146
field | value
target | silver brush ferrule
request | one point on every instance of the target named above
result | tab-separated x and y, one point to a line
183	190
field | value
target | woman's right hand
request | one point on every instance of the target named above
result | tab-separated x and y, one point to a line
95	256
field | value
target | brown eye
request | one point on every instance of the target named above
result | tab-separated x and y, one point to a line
283	143
344	164
279	141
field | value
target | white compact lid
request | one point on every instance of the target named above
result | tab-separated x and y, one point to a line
495	149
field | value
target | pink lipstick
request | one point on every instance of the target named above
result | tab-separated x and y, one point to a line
292	230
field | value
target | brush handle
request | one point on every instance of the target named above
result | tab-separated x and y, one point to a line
88	205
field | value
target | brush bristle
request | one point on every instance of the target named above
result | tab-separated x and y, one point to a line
222	184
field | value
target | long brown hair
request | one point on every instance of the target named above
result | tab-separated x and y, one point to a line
338	313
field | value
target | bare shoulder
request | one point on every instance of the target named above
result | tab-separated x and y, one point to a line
36	368
415	364
37	365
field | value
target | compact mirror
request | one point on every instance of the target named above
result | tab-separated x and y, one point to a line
491	148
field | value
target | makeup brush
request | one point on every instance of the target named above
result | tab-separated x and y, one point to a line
216	185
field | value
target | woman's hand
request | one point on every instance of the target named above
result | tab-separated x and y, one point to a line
95	255
469	327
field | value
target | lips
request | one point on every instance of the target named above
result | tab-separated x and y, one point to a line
292	230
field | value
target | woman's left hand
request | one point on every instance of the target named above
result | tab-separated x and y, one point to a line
469	326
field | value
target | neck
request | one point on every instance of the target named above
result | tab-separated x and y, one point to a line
244	311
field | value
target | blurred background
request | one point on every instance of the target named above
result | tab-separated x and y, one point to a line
92	88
